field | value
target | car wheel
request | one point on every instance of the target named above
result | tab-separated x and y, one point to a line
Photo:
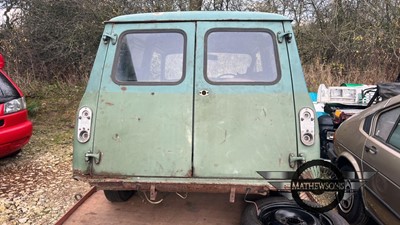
351	207
118	196
14	154
280	210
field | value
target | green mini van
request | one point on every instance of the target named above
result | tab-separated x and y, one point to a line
194	102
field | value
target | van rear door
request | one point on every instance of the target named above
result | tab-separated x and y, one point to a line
221	109
244	116
145	107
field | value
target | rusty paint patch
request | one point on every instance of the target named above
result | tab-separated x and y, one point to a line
189	173
80	175
123	88
116	137
109	103
180	187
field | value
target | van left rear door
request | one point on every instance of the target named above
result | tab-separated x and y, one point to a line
145	106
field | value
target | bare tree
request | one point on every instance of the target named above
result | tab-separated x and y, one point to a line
58	39
10	12
195	5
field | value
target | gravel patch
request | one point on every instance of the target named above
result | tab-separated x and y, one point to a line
37	188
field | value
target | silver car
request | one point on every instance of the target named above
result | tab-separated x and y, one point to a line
369	143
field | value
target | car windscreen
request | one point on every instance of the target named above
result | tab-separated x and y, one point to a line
7	90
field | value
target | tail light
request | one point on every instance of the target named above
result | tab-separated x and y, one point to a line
84	124
307	124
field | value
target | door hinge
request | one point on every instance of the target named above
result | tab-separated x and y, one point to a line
293	159
95	156
107	37
285	36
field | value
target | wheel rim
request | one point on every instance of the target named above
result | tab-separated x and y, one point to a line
348	199
294	217
322	201
287	215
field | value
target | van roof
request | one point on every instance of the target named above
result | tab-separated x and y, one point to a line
198	16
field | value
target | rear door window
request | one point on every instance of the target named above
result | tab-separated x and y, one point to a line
150	57
7	91
239	56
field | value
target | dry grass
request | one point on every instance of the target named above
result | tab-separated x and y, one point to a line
33	87
334	75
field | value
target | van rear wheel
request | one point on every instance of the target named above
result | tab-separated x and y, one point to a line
118	196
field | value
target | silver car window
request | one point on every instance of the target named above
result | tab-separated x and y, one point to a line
386	123
394	139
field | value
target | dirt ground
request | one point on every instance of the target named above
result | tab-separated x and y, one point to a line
36	186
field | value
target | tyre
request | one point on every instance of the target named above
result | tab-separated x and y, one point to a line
118	196
352	207
14	154
279	210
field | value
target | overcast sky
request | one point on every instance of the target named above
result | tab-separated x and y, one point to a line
1	13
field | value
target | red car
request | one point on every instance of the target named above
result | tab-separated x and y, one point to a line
15	128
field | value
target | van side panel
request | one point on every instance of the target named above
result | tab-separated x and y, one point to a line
301	97
90	99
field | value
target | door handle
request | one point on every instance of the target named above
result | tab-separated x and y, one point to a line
371	150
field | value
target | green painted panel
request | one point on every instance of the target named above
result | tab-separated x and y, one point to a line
148	134
237	135
146	129
89	99
300	97
241	129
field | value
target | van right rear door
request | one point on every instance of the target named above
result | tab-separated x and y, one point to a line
244	116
